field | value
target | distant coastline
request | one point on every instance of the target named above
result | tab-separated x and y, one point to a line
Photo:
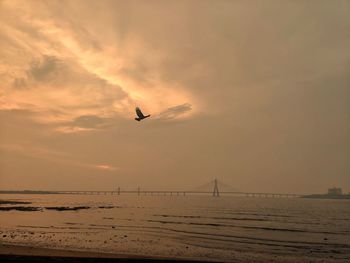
27	192
326	196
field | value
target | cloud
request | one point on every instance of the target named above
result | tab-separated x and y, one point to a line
91	121
85	123
19	83
41	69
175	112
29	149
77	69
52	85
43	153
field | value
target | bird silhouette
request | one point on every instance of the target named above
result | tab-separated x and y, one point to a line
140	115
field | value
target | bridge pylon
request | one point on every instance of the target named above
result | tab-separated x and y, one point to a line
216	189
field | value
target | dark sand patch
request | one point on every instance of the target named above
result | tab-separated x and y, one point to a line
70	223
108	207
66	208
20	208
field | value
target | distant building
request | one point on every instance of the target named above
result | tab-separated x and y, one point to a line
335	191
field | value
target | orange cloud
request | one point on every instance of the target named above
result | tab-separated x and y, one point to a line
43	153
58	65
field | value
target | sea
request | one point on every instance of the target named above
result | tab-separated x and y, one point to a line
223	229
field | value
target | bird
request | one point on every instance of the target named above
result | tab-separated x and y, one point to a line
140	115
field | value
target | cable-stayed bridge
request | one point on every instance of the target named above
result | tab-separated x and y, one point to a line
214	188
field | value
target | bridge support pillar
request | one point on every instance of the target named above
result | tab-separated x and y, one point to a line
216	189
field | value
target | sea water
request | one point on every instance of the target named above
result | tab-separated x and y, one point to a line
196	227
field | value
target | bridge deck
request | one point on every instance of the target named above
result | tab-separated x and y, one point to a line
177	192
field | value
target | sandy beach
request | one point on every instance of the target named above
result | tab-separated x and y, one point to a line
181	229
15	253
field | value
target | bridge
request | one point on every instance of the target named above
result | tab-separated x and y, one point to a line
214	188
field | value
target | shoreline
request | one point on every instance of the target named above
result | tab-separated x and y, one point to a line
17	253
83	236
25	254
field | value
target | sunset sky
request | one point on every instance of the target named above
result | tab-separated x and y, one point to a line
255	93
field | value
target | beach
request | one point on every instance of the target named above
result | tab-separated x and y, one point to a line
35	254
165	228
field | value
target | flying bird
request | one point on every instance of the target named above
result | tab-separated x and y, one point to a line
140	115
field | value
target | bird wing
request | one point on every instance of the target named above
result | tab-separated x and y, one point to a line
139	113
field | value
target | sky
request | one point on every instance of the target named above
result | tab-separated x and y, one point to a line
254	93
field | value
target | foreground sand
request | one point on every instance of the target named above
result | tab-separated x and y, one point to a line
14	253
78	229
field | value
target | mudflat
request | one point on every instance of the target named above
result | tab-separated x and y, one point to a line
15	253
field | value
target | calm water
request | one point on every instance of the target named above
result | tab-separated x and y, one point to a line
185	226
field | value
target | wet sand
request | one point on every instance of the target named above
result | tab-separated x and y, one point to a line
105	229
15	253
12	253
